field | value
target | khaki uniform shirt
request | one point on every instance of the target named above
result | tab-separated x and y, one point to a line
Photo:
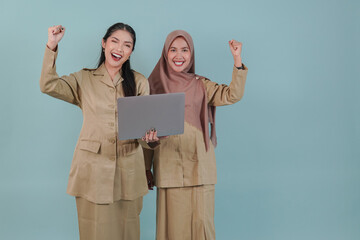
104	169
182	160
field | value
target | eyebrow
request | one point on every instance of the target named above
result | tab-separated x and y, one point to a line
181	48
125	41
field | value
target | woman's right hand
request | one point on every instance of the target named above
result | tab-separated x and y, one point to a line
235	48
55	34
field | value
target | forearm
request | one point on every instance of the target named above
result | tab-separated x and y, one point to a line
64	88
219	95
237	85
148	158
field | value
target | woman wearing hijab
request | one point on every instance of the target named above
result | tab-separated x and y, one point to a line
106	175
184	165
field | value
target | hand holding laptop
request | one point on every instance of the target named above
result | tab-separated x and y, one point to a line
151	138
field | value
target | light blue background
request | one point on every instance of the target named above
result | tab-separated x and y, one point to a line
289	153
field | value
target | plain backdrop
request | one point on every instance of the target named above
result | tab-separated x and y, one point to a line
288	153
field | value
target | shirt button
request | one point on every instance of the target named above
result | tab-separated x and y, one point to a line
111	124
112	140
112	90
111	105
112	158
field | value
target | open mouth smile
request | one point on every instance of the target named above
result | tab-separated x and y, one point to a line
179	63
116	57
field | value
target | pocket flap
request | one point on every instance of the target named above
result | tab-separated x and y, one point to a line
88	145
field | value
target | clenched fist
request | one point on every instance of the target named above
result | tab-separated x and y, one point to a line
55	34
235	48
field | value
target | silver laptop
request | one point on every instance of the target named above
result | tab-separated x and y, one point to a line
164	112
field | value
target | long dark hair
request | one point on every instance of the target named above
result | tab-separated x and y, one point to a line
127	73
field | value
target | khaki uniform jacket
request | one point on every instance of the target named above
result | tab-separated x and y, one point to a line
104	169
182	160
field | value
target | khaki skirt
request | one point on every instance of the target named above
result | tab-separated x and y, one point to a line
185	213
119	220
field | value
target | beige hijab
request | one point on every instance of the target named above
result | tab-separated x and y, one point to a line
164	79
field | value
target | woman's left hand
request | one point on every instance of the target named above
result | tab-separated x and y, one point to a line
235	48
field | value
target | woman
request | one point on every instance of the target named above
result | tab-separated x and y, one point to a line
184	165
107	175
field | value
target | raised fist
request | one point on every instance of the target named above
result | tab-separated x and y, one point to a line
55	34
235	47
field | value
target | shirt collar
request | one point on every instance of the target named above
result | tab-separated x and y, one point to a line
101	71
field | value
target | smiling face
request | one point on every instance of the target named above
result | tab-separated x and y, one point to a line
117	48
179	55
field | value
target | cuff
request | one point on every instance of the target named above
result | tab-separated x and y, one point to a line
50	55
146	145
242	68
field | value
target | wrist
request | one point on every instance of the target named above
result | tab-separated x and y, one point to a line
52	45
241	68
237	62
153	144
